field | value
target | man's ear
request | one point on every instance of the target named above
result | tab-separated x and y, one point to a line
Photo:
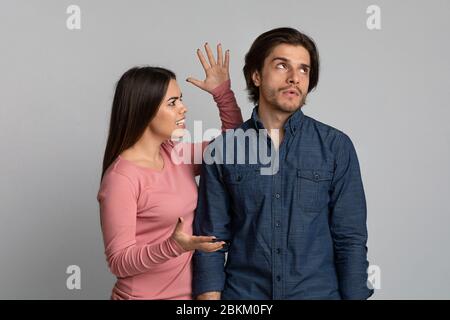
256	78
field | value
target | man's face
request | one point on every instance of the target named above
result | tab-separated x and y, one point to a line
284	79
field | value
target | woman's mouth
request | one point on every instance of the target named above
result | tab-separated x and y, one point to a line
180	123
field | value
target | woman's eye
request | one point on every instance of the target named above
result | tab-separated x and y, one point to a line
173	103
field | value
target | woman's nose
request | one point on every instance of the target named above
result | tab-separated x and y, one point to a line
183	109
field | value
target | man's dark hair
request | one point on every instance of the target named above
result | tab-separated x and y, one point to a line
263	46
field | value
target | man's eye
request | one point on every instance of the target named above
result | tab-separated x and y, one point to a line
281	66
304	70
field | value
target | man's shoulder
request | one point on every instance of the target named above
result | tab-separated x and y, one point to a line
333	137
225	135
321	127
247	125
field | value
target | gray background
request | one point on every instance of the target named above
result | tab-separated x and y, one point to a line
387	89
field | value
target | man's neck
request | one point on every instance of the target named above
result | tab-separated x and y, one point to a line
273	120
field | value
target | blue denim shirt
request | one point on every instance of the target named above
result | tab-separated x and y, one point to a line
298	234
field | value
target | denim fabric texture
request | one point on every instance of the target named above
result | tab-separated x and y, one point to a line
297	234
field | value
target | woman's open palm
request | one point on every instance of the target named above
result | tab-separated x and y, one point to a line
217	71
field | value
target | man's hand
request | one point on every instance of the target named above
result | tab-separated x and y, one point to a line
217	71
213	295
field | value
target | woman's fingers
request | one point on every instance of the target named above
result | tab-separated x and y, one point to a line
209	53
202	59
219	55
227	59
205	243
200	239
197	83
213	62
211	247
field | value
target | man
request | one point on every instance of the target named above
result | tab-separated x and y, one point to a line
299	233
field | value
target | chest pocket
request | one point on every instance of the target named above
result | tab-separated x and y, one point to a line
245	188
313	188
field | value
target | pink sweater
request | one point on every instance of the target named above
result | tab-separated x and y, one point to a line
139	208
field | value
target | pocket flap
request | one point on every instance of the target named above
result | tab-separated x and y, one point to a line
315	175
239	176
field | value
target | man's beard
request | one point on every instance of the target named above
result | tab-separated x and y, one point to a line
287	107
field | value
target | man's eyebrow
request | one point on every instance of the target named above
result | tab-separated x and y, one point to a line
280	58
287	60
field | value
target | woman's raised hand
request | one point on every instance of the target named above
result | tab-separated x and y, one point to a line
217	71
188	242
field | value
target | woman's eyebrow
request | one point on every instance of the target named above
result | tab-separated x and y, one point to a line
175	98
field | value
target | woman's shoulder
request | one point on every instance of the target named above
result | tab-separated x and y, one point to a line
122	167
121	172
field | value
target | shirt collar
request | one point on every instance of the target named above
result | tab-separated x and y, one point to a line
293	122
255	119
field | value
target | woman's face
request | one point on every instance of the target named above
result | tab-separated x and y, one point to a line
170	115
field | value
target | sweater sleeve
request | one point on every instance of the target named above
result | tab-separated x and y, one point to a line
229	111
230	116
118	209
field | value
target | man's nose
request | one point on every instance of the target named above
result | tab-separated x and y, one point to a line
293	78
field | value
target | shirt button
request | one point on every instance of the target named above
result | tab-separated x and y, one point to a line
278	250
277	195
278	278
277	224
316	176
238	178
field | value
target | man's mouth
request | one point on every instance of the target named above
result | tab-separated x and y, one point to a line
291	93
180	122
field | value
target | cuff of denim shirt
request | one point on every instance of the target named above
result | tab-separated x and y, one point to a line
209	273
359	295
352	293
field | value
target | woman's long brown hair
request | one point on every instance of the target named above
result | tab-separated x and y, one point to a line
138	95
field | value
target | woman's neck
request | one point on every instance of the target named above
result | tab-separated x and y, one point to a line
146	149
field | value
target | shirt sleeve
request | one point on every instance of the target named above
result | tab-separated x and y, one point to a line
348	222
212	217
230	116
118	209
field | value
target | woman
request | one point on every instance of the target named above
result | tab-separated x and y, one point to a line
147	201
